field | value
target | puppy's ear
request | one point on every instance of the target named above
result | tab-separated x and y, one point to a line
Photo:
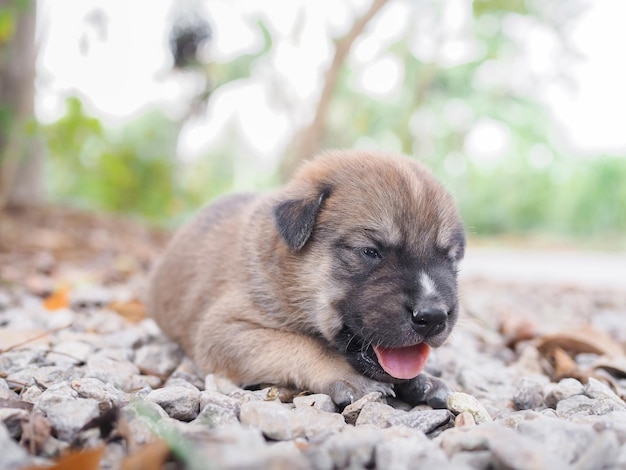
295	218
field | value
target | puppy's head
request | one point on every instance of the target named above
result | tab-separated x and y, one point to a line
378	240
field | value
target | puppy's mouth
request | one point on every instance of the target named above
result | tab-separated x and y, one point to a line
382	362
402	363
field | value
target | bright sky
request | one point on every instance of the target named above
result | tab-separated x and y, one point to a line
123	69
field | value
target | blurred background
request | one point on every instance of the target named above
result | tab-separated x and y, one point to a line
151	108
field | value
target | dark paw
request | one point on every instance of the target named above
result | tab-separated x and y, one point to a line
424	389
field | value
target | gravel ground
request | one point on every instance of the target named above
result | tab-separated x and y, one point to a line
539	373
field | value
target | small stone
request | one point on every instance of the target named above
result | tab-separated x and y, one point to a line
217	409
425	421
31	394
352	411
70	353
120	373
317	424
188	371
600	391
178	382
6	392
44	376
459	402
464	419
179	403
15	361
376	414
85	297
605	406
105	394
159	359
409	453
575	406
319	401
566	388
529	393
66	411
351	448
470	460
273	419
566	440
601	452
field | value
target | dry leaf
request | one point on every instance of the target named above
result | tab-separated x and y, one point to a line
58	300
133	310
152	456
564	365
85	460
515	330
35	432
616	367
582	340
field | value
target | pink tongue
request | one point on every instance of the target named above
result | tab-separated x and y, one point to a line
403	363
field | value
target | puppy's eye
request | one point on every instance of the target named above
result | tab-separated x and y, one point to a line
371	253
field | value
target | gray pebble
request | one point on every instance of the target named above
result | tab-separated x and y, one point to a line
529	393
425	421
351	448
119	372
66	411
181	403
566	440
159	359
105	394
600	391
376	414
352	411
575	405
319	401
404	453
564	389
601	452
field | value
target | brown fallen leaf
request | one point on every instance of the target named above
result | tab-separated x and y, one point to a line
133	310
85	460
586	339
515	329
564	365
151	456
58	299
35	432
615	367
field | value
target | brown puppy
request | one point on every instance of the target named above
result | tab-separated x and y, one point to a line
337	283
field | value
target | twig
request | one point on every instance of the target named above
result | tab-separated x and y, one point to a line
34	338
307	141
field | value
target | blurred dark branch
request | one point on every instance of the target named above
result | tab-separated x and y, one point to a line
306	142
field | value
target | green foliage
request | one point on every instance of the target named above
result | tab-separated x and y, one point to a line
130	169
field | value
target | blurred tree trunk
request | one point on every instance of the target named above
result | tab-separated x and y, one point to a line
20	152
306	142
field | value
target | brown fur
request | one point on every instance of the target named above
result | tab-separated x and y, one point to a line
250	287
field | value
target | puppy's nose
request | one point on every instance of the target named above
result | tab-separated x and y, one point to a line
429	321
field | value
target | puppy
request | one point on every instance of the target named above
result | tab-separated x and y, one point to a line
338	283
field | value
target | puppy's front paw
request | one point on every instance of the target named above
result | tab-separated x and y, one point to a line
344	392
424	389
